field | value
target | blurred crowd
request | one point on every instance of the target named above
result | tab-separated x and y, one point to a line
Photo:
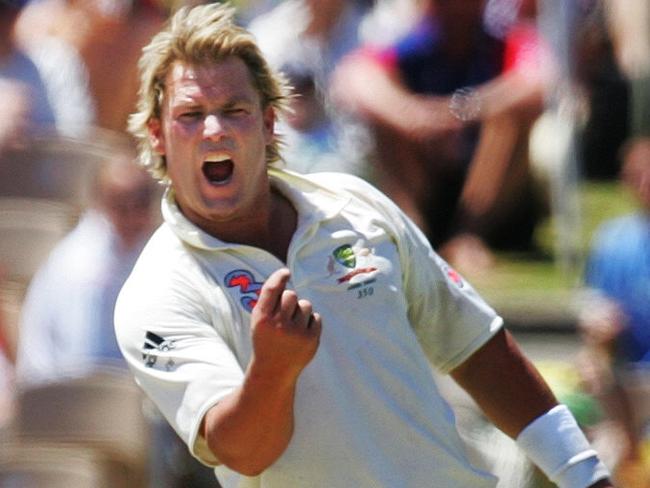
474	116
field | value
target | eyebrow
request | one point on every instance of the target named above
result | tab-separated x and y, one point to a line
191	100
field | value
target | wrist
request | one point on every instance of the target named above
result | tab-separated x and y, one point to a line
555	443
465	104
262	375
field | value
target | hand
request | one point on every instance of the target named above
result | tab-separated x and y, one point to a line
431	118
601	322
468	254
285	331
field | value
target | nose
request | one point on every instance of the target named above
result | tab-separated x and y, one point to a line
213	127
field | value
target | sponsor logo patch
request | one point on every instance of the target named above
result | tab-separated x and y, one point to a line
153	344
249	289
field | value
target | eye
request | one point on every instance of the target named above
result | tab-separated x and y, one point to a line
190	115
235	110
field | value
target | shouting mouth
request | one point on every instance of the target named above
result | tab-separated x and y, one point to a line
218	171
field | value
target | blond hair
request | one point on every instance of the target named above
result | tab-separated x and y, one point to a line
198	35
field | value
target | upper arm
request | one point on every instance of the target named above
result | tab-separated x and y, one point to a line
449	317
167	333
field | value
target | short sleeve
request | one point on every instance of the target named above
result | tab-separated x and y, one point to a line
165	327
450	318
527	53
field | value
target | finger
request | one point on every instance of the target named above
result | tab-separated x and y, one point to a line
315	323
288	305
269	299
303	312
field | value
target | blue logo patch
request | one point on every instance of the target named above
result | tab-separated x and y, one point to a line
249	289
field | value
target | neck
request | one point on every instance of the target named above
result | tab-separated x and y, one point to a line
281	226
270	228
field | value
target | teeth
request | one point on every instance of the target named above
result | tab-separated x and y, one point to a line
217	158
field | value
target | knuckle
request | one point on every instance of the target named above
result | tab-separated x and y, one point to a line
289	299
289	295
305	305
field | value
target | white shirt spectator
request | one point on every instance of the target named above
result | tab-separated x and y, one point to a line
66	326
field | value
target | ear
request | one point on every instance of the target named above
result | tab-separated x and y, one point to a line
268	119
156	136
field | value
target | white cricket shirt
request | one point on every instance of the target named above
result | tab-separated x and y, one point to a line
367	410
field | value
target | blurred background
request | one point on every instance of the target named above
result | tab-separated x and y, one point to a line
515	133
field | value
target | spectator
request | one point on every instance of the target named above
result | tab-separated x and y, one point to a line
607	96
66	320
315	33
310	136
629	28
100	42
615	324
25	106
306	39
24	110
451	107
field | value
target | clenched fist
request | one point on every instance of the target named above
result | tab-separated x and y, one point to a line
285	330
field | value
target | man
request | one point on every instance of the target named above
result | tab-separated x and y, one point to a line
615	321
450	112
306	40
275	318
66	326
25	108
88	50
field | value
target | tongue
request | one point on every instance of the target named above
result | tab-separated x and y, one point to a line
217	172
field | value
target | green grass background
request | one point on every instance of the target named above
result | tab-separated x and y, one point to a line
536	287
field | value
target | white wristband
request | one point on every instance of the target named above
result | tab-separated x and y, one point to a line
555	443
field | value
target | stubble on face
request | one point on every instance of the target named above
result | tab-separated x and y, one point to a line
214	134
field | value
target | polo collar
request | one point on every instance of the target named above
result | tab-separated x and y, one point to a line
313	202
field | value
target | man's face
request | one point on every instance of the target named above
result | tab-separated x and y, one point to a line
128	204
213	134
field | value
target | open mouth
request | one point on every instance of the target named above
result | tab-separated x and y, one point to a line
218	172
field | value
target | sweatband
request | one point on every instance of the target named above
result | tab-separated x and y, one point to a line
555	443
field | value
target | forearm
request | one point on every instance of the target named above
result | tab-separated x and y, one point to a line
389	103
505	385
511	92
490	171
513	395
250	428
